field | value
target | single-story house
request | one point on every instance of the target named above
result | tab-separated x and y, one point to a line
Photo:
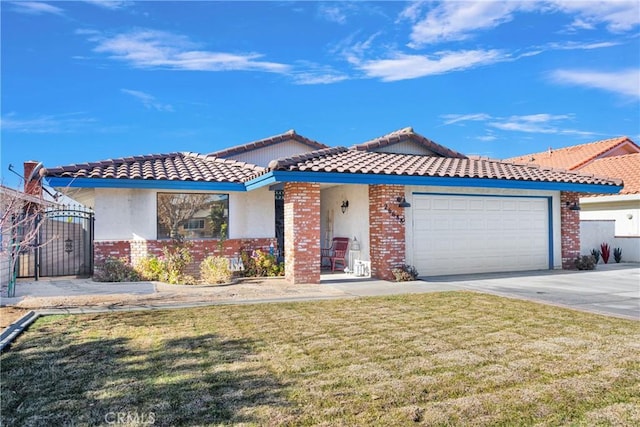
403	197
610	218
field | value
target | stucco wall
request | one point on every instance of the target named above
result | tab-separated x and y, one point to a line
624	210
555	195
595	232
130	214
354	222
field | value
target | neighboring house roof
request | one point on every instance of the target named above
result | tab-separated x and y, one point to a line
287	136
172	167
407	134
354	161
626	167
576	156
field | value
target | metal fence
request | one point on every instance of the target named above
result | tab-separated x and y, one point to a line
63	245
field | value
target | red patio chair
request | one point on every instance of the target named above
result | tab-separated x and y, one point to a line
336	253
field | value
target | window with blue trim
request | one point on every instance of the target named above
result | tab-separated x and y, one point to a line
192	215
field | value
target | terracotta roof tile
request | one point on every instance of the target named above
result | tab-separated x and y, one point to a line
173	167
572	158
626	167
287	136
407	134
339	159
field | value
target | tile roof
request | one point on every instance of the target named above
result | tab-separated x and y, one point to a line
173	167
407	134
341	159
626	167
571	158
287	136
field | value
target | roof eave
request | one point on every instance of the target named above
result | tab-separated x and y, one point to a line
373	179
146	184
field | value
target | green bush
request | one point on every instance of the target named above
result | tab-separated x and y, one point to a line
215	269
405	273
115	270
150	268
261	264
175	259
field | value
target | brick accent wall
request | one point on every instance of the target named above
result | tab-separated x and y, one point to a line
569	230
386	233
302	232
134	250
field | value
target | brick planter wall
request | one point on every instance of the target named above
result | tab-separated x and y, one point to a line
386	233
569	230
302	232
134	250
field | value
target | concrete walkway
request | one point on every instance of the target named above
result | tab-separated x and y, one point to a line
612	289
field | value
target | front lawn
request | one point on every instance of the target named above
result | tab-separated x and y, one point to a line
432	359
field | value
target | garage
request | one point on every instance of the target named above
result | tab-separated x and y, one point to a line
459	234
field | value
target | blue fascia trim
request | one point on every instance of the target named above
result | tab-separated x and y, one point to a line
352	178
144	184
550	215
549	211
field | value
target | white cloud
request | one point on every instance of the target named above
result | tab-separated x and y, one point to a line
332	13
537	123
149	101
450	119
108	4
402	67
36	8
457	20
618	16
626	83
460	20
66	123
543	123
159	49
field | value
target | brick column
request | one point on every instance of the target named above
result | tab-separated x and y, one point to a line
32	187
302	232
386	233
569	229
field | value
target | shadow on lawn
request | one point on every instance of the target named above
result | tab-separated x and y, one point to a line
204	379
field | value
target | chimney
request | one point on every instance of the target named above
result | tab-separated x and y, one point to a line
32	186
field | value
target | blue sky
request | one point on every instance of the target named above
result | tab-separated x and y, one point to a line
92	80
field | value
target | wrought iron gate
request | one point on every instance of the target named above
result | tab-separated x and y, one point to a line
64	244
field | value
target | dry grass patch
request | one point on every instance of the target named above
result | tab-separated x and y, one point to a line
432	359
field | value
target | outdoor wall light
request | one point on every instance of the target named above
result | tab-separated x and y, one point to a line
573	206
344	206
402	202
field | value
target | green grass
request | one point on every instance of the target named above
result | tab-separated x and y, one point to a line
431	359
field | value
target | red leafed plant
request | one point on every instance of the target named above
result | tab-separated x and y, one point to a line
605	251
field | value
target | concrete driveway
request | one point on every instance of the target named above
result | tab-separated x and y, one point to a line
612	289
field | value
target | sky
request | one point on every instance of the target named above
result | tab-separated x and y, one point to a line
86	81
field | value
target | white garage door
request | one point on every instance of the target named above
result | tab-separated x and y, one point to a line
473	234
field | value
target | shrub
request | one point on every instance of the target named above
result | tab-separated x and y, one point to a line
115	270
405	273
585	262
261	264
176	258
605	251
215	269
617	254
596	254
150	268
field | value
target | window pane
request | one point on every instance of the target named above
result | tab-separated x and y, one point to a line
192	215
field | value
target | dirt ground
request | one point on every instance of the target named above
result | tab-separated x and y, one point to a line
8	315
165	294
